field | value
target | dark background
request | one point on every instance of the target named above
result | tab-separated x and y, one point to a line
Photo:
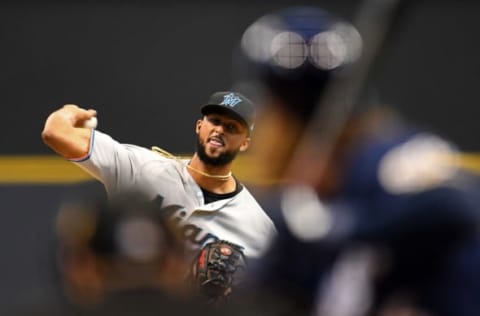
146	66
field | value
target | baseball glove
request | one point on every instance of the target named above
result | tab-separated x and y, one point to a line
219	266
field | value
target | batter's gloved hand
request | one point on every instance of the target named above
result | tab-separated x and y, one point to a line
219	266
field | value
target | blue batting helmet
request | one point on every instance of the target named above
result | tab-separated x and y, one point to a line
292	54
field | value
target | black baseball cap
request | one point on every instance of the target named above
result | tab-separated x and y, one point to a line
232	103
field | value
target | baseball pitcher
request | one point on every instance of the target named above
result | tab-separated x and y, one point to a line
199	194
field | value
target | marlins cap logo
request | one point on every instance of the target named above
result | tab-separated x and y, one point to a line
231	100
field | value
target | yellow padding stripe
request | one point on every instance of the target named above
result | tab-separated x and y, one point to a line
40	169
470	161
52	169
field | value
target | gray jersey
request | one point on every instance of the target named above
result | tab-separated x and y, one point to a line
238	219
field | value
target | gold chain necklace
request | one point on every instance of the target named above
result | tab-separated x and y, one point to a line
163	152
223	177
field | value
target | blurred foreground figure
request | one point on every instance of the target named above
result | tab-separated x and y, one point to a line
122	257
112	253
117	256
374	215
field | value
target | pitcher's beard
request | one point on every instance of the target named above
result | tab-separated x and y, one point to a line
224	158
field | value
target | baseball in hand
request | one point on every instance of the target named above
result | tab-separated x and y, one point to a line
91	123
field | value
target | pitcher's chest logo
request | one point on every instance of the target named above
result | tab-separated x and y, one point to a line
176	214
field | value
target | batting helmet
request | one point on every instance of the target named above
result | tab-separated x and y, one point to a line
294	52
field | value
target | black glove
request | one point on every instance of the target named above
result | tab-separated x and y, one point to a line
219	266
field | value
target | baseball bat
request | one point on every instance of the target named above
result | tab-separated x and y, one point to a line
374	20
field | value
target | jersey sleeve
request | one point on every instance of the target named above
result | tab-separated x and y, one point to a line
113	163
